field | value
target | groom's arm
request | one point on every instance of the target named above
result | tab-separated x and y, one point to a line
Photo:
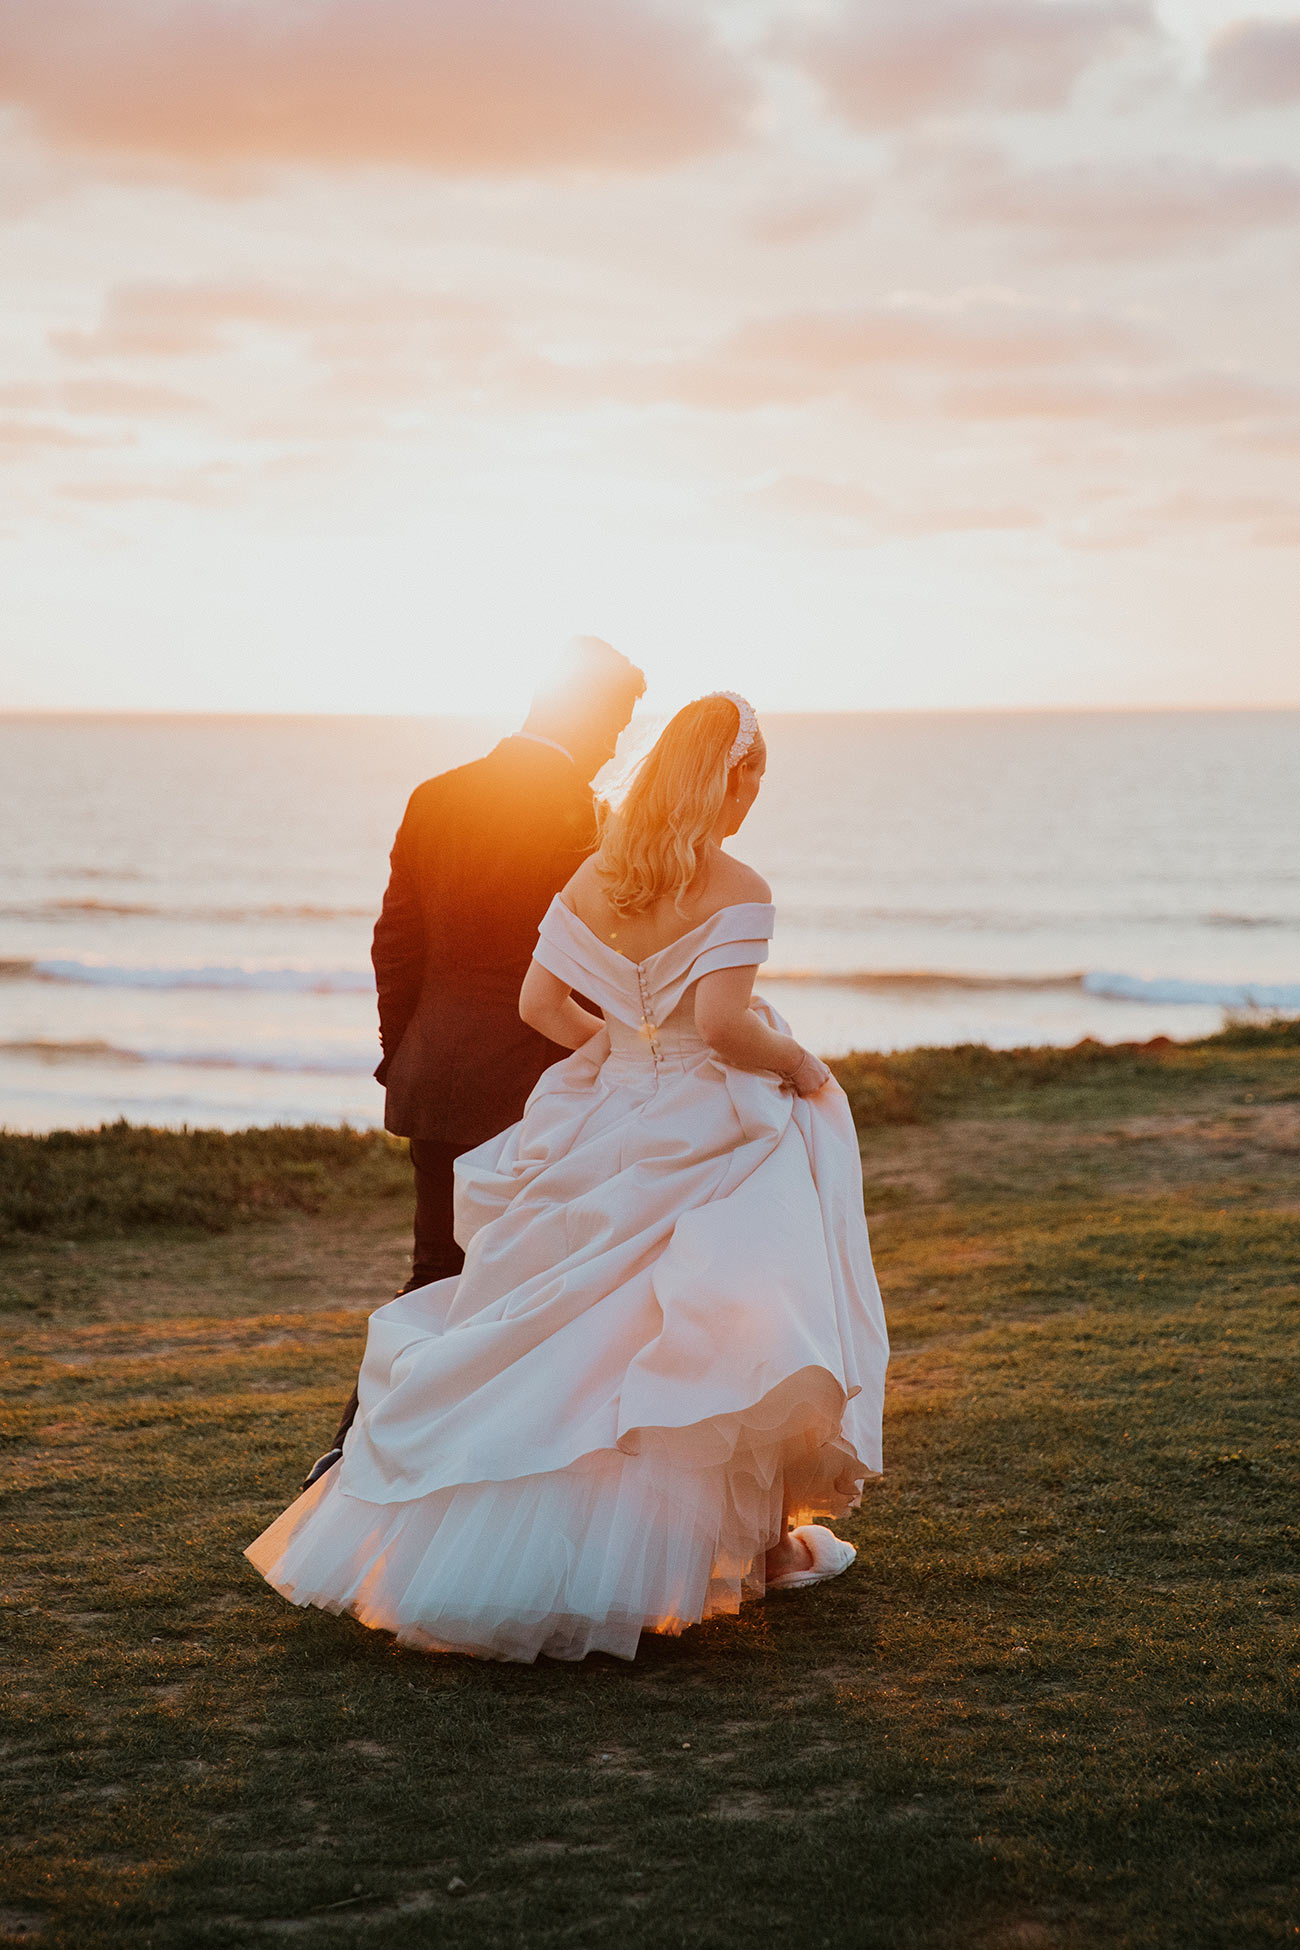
398	947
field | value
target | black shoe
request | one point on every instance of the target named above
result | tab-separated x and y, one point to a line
321	1465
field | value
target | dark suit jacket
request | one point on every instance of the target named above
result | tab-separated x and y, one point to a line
477	860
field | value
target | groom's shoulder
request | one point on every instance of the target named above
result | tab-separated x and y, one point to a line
507	782
445	788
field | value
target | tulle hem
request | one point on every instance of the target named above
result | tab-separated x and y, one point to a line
570	1561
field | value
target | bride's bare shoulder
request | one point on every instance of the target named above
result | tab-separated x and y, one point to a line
736	882
582	891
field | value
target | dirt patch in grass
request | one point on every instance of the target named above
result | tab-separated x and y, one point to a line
297	1263
1243	1147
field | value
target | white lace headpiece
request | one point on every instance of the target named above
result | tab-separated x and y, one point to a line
745	737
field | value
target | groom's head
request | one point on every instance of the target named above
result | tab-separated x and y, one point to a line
587	702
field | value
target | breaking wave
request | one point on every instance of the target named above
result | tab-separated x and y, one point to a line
91	906
332	1063
1227	995
908	981
1105	985
213	975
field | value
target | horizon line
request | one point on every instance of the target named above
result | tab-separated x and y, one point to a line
19	712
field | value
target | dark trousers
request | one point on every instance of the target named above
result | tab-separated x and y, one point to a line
435	1255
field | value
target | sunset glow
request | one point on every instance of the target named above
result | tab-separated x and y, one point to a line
357	352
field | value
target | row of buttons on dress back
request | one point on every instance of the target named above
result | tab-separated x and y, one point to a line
648	1023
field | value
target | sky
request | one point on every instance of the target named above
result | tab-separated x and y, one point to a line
853	353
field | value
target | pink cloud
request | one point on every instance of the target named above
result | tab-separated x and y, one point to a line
184	320
28	439
213	485
961	335
301	362
107	398
897	60
114	398
1256	64
1118	211
456	86
1276	438
975	357
1197	399
1257	520
1281	531
795	218
1196	505
979	360
859	514
796	357
850	514
207	484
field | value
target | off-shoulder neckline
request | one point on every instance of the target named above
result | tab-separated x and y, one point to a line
730	907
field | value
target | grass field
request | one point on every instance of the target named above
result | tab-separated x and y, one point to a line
1054	1704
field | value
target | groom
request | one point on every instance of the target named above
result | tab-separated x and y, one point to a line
478	858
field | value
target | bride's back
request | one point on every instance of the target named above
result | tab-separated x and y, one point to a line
721	883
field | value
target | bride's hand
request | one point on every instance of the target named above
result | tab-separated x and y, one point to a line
811	1076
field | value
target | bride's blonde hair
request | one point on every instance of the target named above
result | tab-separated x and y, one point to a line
651	844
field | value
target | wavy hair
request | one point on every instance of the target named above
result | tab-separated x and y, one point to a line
652	842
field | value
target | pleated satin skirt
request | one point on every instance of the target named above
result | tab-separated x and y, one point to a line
667	1329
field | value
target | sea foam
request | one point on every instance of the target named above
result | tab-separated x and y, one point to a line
1106	985
1225	995
211	975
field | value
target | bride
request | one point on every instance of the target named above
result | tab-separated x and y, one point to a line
666	1350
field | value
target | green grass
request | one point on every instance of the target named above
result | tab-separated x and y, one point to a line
122	1179
916	1085
1053	1705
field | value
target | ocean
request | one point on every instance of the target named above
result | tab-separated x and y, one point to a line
186	902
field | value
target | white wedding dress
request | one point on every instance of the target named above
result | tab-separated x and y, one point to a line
667	1318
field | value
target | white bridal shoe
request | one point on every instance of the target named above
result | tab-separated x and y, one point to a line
830	1555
